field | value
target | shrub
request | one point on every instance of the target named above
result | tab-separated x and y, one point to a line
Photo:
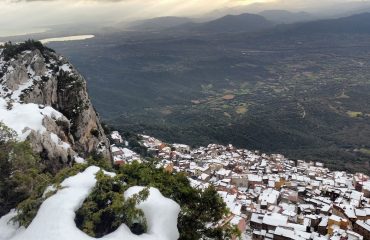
105	209
11	50
21	177
200	210
6	134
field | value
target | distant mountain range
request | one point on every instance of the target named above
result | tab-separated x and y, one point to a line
159	23
283	16
240	21
318	9
231	23
359	23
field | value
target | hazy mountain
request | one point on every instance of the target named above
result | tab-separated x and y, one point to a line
359	23
355	9
231	23
158	23
283	16
316	8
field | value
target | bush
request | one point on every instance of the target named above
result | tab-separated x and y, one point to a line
11	50
105	209
97	159
21	176
200	210
6	134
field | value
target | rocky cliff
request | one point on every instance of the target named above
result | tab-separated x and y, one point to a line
44	99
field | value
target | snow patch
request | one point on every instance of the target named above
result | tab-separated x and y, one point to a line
7	228
79	160
66	68
59	142
23	118
55	218
48	190
160	212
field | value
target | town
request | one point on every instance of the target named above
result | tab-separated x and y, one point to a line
269	196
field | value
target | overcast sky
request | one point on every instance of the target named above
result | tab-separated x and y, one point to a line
45	12
18	16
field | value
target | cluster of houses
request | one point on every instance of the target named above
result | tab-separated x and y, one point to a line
270	196
120	152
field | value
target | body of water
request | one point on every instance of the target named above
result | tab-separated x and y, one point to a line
65	39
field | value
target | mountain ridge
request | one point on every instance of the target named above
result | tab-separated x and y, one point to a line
245	22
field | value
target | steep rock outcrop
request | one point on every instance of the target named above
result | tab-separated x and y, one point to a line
40	76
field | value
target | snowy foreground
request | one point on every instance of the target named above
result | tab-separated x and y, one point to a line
55	219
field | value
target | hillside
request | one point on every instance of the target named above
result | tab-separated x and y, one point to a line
156	24
230	23
283	16
359	23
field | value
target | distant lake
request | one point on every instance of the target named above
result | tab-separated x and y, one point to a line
65	39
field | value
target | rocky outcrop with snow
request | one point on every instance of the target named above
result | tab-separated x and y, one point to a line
44	99
55	218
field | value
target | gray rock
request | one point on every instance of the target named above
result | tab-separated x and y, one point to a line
56	83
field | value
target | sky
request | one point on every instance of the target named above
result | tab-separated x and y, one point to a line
19	16
38	14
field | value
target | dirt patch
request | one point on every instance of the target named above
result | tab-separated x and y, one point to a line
228	97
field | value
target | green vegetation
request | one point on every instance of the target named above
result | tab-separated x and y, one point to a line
22	180
24	177
105	209
199	209
11	50
27	209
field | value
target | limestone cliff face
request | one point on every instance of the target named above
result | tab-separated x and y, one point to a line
42	77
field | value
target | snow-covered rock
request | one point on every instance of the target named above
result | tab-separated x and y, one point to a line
55	218
44	99
23	118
